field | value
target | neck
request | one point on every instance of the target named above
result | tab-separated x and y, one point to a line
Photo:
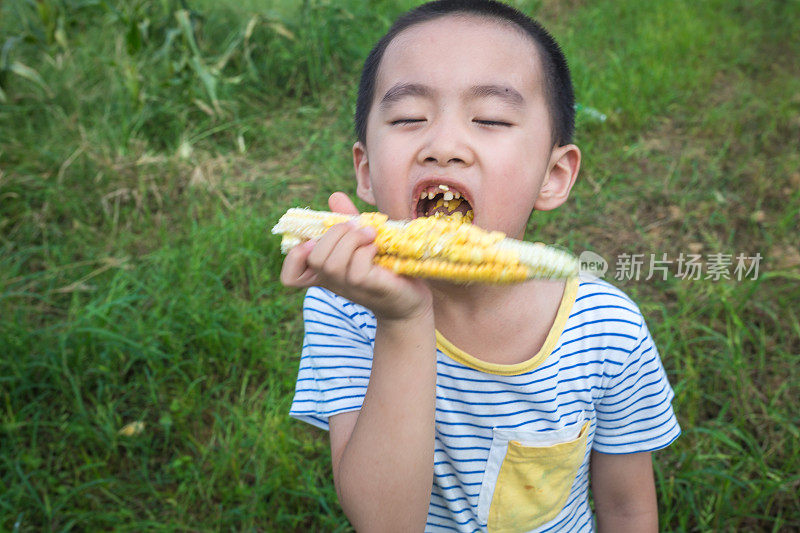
478	301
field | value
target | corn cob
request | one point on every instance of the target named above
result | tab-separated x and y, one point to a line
440	248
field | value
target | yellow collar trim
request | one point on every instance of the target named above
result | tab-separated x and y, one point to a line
455	353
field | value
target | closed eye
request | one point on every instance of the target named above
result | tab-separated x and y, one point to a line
491	122
406	121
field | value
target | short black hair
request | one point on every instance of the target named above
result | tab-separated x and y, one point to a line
557	81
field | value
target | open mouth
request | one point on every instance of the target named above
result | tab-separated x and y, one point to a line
444	201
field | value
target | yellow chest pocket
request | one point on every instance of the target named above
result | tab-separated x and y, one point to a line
529	475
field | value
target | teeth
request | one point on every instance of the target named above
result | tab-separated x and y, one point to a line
440	190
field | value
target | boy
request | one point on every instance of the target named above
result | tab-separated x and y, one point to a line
473	407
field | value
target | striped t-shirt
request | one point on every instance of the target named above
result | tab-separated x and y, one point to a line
596	384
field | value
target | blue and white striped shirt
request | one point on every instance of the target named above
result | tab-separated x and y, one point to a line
598	367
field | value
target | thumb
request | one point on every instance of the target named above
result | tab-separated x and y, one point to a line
339	202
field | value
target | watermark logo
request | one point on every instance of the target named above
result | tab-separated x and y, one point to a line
592	266
691	266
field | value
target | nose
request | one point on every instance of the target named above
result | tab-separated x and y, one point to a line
446	143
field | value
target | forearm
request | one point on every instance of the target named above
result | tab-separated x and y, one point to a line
621	522
624	493
385	473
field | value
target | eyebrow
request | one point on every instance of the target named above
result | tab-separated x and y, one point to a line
402	90
510	95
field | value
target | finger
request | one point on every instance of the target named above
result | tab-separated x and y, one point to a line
325	245
306	279
339	259
339	202
361	267
295	271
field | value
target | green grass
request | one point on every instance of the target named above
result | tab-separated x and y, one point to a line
147	146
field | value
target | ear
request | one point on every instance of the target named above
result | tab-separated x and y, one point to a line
361	166
565	161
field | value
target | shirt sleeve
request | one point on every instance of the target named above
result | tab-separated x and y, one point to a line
336	358
635	413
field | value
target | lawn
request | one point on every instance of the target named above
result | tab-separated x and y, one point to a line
148	352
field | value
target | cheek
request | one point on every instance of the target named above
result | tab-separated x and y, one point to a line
518	187
518	205
395	154
389	187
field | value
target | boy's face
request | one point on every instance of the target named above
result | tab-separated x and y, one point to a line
459	101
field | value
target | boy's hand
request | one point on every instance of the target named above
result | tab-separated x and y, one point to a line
341	260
